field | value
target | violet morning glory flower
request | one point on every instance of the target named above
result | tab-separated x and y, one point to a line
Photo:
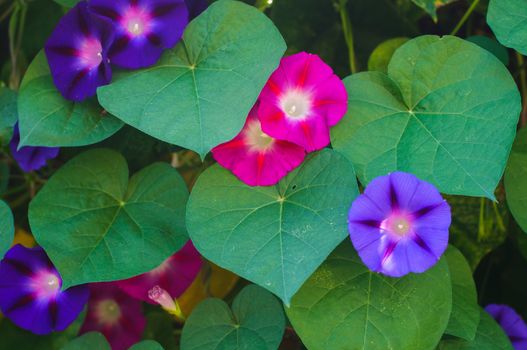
399	225
30	158
143	28
77	53
512	323
31	295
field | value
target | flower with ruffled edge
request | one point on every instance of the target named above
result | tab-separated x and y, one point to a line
143	28
31	295
256	158
115	314
301	101
77	53
513	325
196	7
174	275
30	158
399	225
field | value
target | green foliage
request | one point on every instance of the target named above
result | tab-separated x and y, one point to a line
256	321
88	341
200	93
8	114
464	318
492	46
95	225
275	236
343	305
7	228
508	21
516	180
147	345
47	119
381	56
435	115
489	336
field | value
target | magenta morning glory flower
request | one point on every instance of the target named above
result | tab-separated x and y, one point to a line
116	315
30	158
77	53
143	28
31	295
174	275
399	225
301	101
256	158
512	323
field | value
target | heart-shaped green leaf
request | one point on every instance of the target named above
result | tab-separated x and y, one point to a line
464	318
508	21
88	341
381	56
274	236
47	119
256	321
434	115
343	305
147	345
95	225
489	336
7	228
516	180
199	94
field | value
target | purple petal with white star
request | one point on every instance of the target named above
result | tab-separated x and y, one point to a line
30	158
31	295
399	225
512	323
77	53
143	28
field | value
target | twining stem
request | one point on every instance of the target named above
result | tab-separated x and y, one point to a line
348	34
523	87
16	33
465	17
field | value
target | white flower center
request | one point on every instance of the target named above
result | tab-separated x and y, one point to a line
108	312
397	224
296	104
257	140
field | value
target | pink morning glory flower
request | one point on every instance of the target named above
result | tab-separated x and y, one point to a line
115	314
143	28
301	101
399	225
174	275
77	53
512	323
257	158
31	295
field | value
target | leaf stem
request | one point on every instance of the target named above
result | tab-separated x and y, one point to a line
465	17
348	34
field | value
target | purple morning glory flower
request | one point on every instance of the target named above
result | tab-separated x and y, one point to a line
30	158
512	323
143	28
31	295
196	7
77	53
399	225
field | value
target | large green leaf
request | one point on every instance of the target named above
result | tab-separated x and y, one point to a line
199	94
516	180
381	56
274	236
95	225
508	21
7	228
344	305
435	115
489	336
146	345
464	318
88	341
47	119
256	322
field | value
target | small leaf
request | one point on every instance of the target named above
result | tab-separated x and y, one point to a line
274	236
256	321
508	21
381	56
344	305
95	225
147	345
464	318
200	93
434	115
489	336
516	180
88	341
7	228
47	119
